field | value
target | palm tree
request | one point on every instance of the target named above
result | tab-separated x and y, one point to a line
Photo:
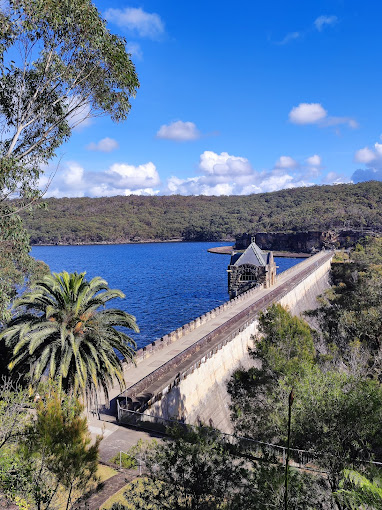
63	330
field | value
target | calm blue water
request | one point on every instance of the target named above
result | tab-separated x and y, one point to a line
166	284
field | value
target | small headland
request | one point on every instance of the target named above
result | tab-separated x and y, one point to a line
227	250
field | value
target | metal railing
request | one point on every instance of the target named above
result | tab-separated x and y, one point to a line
240	446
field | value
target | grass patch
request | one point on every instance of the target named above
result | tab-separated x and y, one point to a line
136	487
105	472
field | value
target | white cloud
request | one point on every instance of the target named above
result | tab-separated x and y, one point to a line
307	113
137	21
275	182
314	113
223	164
134	177
225	174
179	131
72	180
335	178
222	174
104	145
378	149
319	23
250	189
365	155
286	162
142	192
323	21
352	123
292	36
134	49
372	158
198	186
68	181
81	116
74	174
335	121
314	160
219	174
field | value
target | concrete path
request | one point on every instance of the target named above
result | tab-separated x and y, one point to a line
133	374
109	488
116	437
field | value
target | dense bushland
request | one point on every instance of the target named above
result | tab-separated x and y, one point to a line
201	218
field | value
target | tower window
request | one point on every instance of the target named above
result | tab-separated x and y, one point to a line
248	277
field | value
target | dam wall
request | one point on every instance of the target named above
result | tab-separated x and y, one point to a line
201	396
154	347
192	387
303	296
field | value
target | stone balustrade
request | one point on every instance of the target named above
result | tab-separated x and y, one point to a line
173	336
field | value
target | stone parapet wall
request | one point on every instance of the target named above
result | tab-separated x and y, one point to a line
302	297
173	336
200	395
229	329
192	386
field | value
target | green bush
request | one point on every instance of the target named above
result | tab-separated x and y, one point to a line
124	460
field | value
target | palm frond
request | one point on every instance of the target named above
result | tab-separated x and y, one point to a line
61	328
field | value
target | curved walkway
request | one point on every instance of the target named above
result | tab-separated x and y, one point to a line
109	488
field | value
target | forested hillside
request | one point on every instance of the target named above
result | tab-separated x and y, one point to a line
137	218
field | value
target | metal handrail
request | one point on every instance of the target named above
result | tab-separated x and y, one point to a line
303	457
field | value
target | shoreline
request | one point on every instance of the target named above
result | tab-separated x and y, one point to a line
228	250
220	250
107	243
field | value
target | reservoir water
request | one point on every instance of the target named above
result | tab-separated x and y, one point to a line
166	284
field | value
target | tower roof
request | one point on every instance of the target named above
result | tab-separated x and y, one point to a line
252	255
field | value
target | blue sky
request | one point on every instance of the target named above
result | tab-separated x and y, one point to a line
236	99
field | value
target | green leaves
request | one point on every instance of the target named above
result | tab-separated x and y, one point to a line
336	415
55	452
350	315
287	345
58	328
79	63
357	491
65	66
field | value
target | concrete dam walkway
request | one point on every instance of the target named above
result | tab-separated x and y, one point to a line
174	374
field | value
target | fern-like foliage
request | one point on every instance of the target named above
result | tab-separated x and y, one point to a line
358	492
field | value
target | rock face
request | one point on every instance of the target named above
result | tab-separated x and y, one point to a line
305	242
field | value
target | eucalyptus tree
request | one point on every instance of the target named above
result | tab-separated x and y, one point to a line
59	64
62	329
